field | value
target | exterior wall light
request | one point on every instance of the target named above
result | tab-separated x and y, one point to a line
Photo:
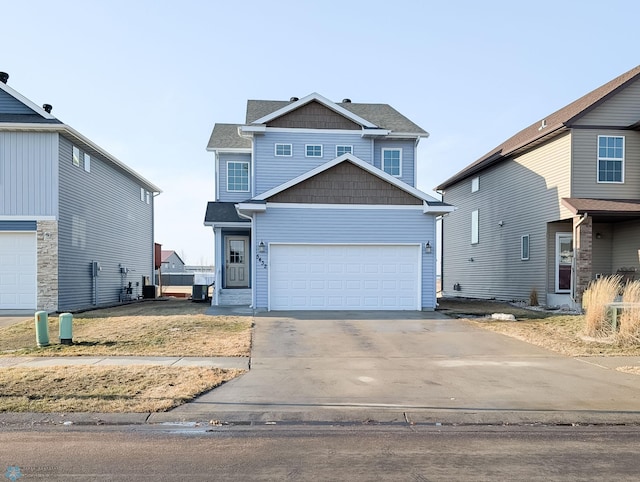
427	247
261	247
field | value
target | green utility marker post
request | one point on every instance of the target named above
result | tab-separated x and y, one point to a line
42	328
66	328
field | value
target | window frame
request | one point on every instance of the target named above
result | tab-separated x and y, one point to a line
382	160
343	146
475	184
87	162
275	150
142	194
248	176
522	247
75	156
605	159
475	227
306	150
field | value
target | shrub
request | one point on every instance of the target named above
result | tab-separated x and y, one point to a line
533	297
594	301
629	319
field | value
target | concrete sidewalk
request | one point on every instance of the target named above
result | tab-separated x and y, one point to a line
241	363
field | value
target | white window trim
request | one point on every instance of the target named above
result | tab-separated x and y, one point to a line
475	184
142	194
75	156
382	160
475	227
248	177
344	145
306	152
598	159
87	162
275	150
522	240
559	236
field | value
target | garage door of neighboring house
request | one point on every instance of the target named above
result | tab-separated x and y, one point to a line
18	268
344	277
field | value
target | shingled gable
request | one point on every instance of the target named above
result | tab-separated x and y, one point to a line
548	127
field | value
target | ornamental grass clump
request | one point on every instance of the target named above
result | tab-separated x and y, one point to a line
595	299
629	319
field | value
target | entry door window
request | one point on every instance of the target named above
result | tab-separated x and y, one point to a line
236	266
564	262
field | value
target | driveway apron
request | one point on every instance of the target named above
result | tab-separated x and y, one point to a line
407	361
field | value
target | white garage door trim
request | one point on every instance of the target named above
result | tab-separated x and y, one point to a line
18	270
339	276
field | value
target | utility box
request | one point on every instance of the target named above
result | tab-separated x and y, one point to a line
149	291
200	293
42	328
66	328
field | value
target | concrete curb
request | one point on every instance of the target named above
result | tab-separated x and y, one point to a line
241	363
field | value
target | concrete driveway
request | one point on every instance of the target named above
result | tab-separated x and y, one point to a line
333	366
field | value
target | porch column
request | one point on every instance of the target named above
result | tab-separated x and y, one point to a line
582	248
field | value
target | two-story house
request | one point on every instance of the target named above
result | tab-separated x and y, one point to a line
171	262
551	208
76	224
316	209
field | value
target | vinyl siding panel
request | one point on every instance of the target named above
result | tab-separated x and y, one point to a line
101	219
621	110
524	194
408	166
28	174
389	226
11	105
585	165
626	251
271	171
223	194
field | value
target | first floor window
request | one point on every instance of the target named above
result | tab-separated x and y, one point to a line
238	176
610	159
391	161
474	227
313	150
524	247
340	150
283	150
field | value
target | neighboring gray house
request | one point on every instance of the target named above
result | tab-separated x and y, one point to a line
316	209
76	224
551	208
171	262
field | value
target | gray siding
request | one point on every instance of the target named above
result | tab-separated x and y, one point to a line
28	174
271	171
626	252
408	173
585	165
347	226
222	193
101	219
524	194
622	109
602	259
10	105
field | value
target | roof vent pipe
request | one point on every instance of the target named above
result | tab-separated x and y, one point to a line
47	108
293	99
346	101
4	77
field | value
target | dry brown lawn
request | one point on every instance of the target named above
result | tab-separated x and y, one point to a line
151	328
105	389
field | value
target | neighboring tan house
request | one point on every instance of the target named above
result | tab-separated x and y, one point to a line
76	224
316	209
171	262
551	208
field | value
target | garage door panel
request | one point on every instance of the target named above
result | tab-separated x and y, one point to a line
344	277
18	270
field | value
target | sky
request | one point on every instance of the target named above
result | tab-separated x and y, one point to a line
147	80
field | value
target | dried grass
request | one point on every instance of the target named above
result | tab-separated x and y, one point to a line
629	319
105	389
594	301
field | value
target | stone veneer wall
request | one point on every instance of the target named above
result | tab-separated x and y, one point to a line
47	266
583	251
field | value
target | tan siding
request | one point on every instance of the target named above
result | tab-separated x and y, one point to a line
585	166
626	238
602	249
622	109
525	195
345	184
314	116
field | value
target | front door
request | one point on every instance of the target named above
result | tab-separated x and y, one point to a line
236	262
564	262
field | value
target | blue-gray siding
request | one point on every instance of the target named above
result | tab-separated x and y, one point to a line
28	174
408	163
10	105
103	219
353	226
222	193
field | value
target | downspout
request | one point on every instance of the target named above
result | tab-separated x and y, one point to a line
574	274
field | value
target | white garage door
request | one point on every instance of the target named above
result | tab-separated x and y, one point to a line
18	271
344	277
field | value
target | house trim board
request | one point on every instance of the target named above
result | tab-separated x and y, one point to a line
28	218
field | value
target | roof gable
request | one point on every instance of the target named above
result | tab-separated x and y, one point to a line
12	102
314	115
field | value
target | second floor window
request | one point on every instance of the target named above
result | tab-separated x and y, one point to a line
313	150
391	161
283	150
238	176
340	150
610	159
475	227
